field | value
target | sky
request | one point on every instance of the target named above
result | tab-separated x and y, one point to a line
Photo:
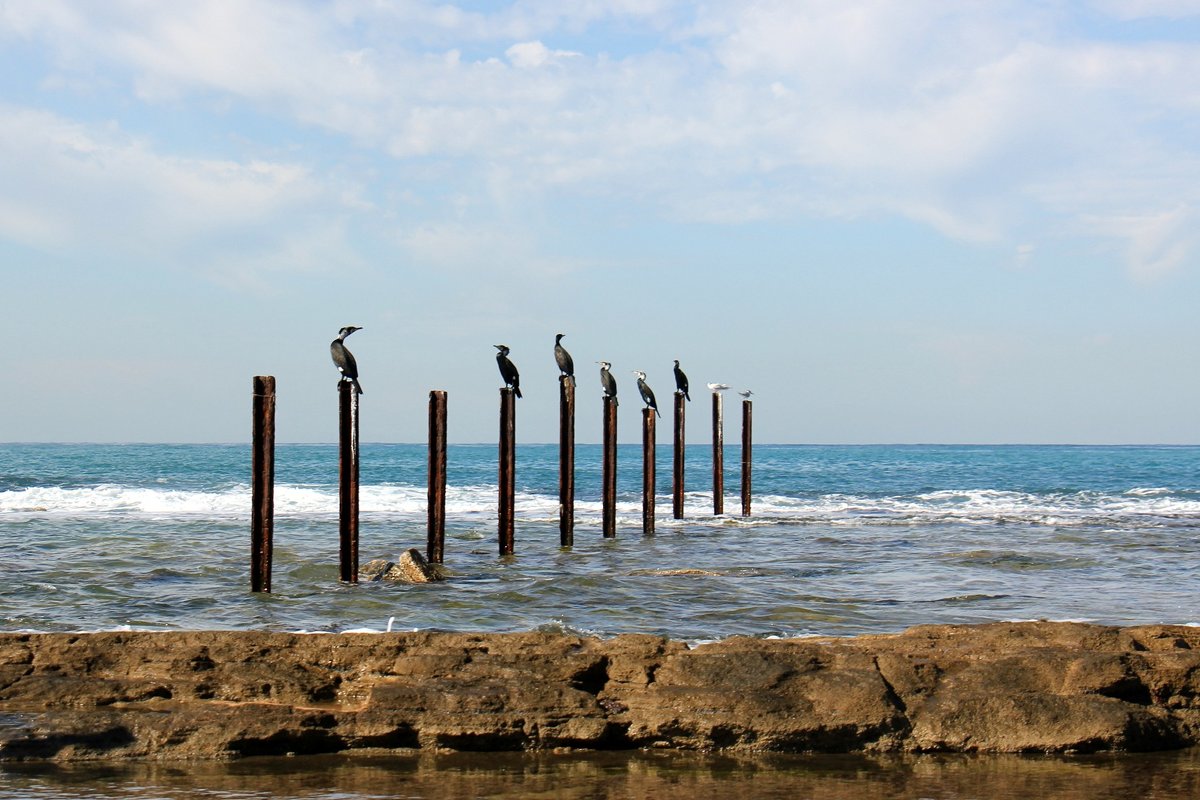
896	222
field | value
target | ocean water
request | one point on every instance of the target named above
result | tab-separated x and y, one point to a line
842	540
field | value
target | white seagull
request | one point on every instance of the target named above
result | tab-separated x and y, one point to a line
718	387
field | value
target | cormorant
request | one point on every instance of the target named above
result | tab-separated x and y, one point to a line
507	370
681	382
344	359
718	387
746	393
607	380
644	388
565	365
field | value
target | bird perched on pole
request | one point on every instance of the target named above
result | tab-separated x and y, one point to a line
565	364
718	387
343	359
507	370
607	380
746	393
681	382
647	394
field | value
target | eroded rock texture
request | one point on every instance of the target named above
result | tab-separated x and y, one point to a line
1005	687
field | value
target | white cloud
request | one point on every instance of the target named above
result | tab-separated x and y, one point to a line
979	121
68	187
534	54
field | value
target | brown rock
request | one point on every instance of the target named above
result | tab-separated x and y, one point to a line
1005	687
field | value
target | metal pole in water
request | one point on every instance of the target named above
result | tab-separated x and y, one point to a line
436	531
348	481
262	493
718	445
609	474
677	472
508	436
648	483
747	420
566	461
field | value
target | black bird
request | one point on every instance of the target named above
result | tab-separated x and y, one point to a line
565	365
607	380
344	359
644	388
681	383
507	370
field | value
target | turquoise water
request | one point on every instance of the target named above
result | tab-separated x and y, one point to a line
842	540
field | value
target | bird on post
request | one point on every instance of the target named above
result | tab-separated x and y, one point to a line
607	380
565	364
718	387
746	393
681	382
647	394
507	370
343	359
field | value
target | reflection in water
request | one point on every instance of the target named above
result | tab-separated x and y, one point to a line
649	775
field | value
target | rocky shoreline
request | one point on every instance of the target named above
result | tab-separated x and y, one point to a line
1002	687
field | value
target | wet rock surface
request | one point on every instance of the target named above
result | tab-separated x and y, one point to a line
1003	687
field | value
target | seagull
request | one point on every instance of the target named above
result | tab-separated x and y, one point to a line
681	381
507	370
746	393
607	380
565	364
344	359
644	388
718	387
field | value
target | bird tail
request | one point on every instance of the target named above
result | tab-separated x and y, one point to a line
517	391
687	397
657	412
357	385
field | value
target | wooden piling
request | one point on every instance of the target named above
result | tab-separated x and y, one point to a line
508	457
747	420
348	481
648	483
677	471
718	445
566	461
609	472
436	530
262	492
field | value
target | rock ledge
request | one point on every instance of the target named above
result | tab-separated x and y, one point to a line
1002	687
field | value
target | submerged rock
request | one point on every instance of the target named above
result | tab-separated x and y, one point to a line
412	568
1003	687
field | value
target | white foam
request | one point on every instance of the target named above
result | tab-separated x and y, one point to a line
968	507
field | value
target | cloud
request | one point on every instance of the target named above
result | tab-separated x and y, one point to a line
66	187
534	54
982	122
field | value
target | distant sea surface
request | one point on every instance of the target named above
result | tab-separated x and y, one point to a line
842	540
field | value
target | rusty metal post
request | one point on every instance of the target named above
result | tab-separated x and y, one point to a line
609	473
718	445
262	492
677	472
566	461
348	481
648	483
508	457
747	414
436	529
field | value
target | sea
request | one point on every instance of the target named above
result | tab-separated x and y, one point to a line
840	540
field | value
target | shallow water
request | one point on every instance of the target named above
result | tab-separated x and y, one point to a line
661	776
842	540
